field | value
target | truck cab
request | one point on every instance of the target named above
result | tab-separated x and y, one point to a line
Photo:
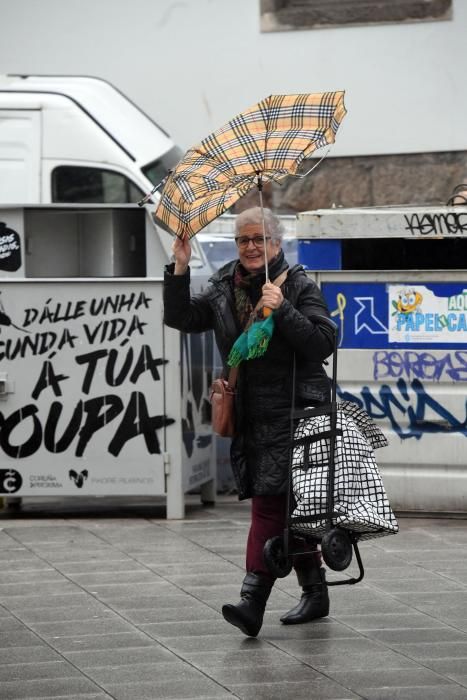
75	139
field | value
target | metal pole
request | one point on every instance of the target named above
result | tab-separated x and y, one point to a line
260	190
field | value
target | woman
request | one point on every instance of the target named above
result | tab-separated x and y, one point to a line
260	447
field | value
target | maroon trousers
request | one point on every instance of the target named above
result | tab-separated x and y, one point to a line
268	520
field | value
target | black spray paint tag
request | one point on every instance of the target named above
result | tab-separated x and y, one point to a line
10	249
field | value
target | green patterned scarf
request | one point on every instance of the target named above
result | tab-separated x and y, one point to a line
254	341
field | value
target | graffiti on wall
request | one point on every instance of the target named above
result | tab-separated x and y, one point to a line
394	364
451	223
409	407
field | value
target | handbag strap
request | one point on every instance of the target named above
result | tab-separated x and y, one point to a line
232	378
233	374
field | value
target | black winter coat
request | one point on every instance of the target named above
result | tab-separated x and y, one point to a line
260	448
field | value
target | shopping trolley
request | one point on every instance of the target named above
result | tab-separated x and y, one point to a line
336	496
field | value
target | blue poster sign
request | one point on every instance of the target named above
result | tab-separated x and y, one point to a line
399	315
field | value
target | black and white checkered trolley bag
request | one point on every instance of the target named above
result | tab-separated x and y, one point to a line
360	502
336	494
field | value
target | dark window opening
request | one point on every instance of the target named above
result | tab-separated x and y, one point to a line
85	242
404	254
158	169
284	15
88	185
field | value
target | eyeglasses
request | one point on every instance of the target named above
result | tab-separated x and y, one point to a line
258	241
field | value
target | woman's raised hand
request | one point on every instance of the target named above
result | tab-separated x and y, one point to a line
181	250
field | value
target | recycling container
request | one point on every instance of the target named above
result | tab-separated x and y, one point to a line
97	396
395	280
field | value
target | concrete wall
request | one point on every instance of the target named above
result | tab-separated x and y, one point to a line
193	64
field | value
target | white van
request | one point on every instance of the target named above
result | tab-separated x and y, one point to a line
77	139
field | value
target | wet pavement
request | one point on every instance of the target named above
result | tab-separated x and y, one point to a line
106	599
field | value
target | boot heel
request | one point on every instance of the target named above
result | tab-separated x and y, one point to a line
248	614
314	602
234	616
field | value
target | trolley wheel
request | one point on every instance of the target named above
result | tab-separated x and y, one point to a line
274	556
336	549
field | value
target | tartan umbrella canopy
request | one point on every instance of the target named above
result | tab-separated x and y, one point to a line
266	142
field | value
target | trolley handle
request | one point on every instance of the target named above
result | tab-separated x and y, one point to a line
335	329
333	415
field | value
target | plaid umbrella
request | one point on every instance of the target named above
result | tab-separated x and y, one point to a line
266	142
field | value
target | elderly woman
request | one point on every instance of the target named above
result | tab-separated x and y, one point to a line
260	447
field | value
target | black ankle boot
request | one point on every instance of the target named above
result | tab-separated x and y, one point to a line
247	615
314	602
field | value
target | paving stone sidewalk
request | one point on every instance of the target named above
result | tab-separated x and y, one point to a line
106	599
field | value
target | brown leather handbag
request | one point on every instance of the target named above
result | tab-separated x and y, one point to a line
223	404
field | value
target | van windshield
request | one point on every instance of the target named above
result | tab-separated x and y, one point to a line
157	169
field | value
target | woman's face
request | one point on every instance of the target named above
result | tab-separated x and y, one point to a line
250	244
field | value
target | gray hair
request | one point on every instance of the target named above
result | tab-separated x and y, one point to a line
272	224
